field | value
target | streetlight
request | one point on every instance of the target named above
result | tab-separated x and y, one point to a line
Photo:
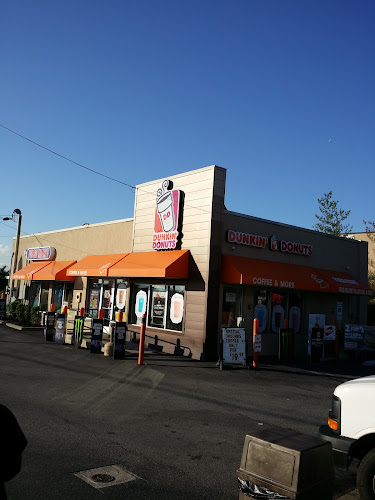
16	212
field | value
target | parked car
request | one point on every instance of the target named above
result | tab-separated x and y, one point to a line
351	430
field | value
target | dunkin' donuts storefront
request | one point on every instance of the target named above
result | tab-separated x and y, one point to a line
193	268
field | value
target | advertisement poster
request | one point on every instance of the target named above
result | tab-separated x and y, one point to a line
119	340
359	337
315	321
177	308
278	314
260	312
49	327
121	297
329	332
140	304
295	319
158	307
60	328
234	345
96	336
79	322
3	307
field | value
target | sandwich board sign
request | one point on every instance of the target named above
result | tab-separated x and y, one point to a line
234	346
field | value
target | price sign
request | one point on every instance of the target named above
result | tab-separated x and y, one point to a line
234	345
257	344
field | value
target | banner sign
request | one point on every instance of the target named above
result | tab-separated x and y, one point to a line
234	345
79	322
60	328
3	308
119	340
49	326
96	336
358	337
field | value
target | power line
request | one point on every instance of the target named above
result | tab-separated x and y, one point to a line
186	174
66	158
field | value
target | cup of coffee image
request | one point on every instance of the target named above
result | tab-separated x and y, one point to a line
165	210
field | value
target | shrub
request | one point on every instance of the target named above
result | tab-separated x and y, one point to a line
23	313
35	318
11	310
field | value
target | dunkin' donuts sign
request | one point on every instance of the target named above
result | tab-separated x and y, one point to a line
255	240
167	213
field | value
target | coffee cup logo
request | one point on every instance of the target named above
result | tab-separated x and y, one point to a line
166	217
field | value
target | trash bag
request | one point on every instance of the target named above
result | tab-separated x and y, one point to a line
258	492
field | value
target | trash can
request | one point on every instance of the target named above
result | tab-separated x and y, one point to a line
281	463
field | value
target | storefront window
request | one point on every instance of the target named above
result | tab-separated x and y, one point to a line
34	293
231	316
156	311
294	316
164	305
278	311
94	298
58	295
44	296
68	295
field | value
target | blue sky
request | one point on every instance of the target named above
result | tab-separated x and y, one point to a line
279	92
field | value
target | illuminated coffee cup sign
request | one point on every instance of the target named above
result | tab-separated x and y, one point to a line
167	212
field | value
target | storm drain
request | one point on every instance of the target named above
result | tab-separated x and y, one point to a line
106	476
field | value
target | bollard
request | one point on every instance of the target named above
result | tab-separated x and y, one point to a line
142	340
255	332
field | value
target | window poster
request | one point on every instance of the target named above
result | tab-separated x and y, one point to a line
158	307
94	298
260	312
177	308
120	297
295	319
140	303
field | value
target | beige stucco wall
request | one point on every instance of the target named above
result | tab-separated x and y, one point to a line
369	238
203	199
78	242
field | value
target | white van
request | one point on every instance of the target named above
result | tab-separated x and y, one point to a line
351	430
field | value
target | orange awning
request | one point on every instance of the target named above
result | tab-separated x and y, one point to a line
172	264
27	272
264	273
341	282
55	271
95	265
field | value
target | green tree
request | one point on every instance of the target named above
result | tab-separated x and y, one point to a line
4	272
331	218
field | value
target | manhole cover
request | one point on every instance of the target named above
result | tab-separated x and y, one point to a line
102	478
106	476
